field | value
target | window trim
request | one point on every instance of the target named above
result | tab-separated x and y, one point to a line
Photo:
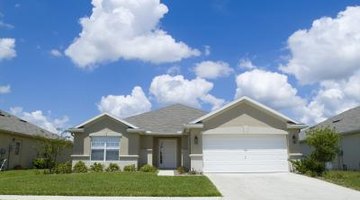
105	148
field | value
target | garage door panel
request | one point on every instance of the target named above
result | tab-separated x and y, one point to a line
245	153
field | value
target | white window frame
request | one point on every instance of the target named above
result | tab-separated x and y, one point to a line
105	147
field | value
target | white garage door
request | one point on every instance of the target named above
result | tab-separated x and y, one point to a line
245	153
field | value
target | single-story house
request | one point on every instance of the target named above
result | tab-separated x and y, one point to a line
347	124
242	136
17	142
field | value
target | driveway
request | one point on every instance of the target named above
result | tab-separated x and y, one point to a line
279	186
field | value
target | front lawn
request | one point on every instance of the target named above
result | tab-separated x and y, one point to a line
27	182
349	179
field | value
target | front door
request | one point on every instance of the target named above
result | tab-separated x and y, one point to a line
167	153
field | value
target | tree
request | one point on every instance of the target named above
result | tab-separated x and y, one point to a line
51	149
325	144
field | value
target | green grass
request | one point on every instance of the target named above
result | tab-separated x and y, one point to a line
27	182
349	179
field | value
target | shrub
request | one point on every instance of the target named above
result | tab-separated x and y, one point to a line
63	168
80	167
148	168
193	172
325	145
113	167
309	166
130	168
40	163
181	170
97	167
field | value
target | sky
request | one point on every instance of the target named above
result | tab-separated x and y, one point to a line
63	62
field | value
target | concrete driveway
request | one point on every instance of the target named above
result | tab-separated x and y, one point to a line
279	186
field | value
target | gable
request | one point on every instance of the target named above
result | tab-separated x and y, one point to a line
244	114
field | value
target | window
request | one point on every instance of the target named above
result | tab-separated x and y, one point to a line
105	148
17	148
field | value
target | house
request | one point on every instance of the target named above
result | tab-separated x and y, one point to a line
347	124
17	142
242	136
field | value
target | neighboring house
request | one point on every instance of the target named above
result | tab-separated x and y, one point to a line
347	124
243	136
17	142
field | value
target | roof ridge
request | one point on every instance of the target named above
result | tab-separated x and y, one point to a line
166	107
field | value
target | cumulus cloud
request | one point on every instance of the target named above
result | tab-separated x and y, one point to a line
176	89
246	64
55	52
7	48
332	98
4	89
329	50
207	50
126	29
40	119
270	88
212	69
125	105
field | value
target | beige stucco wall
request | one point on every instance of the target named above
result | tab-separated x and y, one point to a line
129	143
244	115
350	145
28	150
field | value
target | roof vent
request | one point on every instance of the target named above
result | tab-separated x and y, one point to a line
22	120
336	120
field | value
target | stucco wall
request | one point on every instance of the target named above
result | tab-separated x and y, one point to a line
29	148
129	143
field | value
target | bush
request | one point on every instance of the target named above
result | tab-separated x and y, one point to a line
40	163
325	145
148	168
63	168
181	170
309	166
97	167
130	168
80	167
113	167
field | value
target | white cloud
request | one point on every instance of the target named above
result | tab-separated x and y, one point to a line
176	89
6	25
246	64
123	106
213	69
56	53
270	88
207	50
329	50
174	70
126	29
4	89
332	98
38	118
7	48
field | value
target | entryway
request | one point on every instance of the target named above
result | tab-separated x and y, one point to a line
167	153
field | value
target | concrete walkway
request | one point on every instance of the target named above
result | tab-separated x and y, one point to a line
20	197
281	186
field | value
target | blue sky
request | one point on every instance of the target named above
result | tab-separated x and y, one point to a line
300	58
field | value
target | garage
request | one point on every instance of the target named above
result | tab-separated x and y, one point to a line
258	152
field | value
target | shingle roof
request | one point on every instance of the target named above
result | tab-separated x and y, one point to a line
170	119
11	123
348	121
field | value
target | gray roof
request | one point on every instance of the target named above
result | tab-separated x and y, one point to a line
346	122
170	119
13	124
